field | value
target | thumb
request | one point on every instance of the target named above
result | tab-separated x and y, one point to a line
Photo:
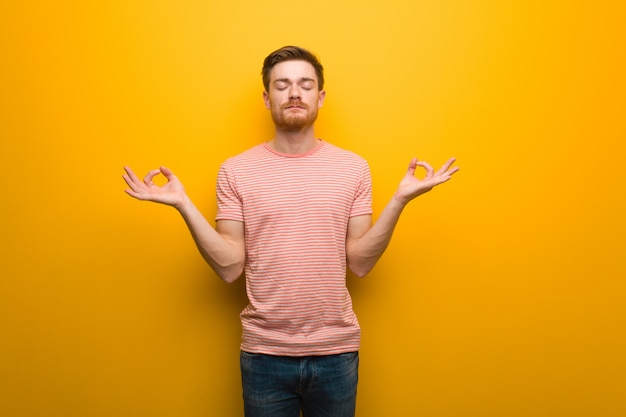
412	166
167	173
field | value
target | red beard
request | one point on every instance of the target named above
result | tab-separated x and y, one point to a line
292	121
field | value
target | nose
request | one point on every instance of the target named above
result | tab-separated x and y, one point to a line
294	93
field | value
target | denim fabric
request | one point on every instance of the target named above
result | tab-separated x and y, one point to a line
282	386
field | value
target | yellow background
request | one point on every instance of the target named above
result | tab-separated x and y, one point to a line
502	293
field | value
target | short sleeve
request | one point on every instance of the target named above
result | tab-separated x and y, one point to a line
229	205
362	204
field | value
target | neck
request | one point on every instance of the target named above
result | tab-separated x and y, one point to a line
297	142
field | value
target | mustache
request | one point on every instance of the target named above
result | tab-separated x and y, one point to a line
294	103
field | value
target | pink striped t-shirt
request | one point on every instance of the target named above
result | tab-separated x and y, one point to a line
295	210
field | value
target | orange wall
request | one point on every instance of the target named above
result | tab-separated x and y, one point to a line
502	293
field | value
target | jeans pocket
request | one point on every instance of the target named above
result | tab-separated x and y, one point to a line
246	360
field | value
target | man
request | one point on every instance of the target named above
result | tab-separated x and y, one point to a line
293	213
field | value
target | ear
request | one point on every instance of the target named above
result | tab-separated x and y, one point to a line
266	99
320	98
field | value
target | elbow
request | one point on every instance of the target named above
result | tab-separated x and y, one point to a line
360	273
358	264
228	272
231	274
360	269
229	279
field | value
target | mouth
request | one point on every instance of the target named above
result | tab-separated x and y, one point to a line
294	106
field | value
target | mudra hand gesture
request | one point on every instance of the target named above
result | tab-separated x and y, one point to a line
411	186
172	193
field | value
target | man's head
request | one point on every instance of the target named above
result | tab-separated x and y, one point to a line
291	53
293	78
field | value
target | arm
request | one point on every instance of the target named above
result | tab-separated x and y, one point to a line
222	247
366	243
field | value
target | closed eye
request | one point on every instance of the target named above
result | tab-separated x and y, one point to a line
304	83
307	84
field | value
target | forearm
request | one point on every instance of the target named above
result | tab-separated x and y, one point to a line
225	255
364	252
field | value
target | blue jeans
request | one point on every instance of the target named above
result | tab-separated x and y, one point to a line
282	386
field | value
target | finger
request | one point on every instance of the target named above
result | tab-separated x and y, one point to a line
148	178
128	180
427	167
412	166
453	170
133	182
445	176
133	193
167	173
447	166
131	175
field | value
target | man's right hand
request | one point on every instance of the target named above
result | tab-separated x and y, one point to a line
172	193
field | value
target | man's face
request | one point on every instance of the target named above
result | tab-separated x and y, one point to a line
293	97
